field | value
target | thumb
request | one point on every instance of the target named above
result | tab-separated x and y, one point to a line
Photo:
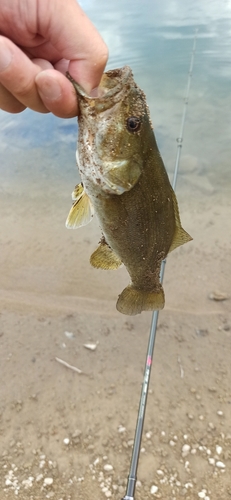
76	39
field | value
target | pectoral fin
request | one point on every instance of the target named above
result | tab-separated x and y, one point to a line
180	236
104	257
78	192
82	210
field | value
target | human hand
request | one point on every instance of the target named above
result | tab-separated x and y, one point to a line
39	41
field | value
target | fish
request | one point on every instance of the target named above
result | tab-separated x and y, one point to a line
125	183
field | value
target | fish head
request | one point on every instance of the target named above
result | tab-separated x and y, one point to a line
114	126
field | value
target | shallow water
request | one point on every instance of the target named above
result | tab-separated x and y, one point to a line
155	39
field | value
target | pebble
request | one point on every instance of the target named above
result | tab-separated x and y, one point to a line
218	296
39	477
48	481
66	441
218	449
220	464
121	429
212	461
202	494
212	389
8	482
188	485
107	493
28	482
108	467
69	335
186	465
153	489
76	434
185	450
91	347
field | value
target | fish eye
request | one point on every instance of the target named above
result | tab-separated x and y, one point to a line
133	123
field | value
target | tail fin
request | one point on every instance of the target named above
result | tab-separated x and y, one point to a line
134	300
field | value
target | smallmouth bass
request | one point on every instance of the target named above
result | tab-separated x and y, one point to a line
125	183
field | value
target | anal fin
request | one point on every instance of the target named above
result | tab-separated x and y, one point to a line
180	236
104	257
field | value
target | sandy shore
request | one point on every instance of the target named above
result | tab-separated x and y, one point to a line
59	428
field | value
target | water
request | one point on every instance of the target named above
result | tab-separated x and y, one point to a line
155	39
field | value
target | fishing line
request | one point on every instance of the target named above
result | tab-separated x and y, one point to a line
131	483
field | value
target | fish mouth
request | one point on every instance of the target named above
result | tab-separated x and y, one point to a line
111	85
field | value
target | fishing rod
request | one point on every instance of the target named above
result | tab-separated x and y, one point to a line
131	483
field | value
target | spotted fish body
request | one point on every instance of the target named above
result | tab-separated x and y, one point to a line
125	183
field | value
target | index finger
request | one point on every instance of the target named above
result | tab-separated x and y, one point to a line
17	76
76	39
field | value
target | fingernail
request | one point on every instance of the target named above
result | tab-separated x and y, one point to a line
48	87
5	57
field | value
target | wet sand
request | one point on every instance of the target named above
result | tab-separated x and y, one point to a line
59	429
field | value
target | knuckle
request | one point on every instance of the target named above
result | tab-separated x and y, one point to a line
8	102
13	107
24	89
